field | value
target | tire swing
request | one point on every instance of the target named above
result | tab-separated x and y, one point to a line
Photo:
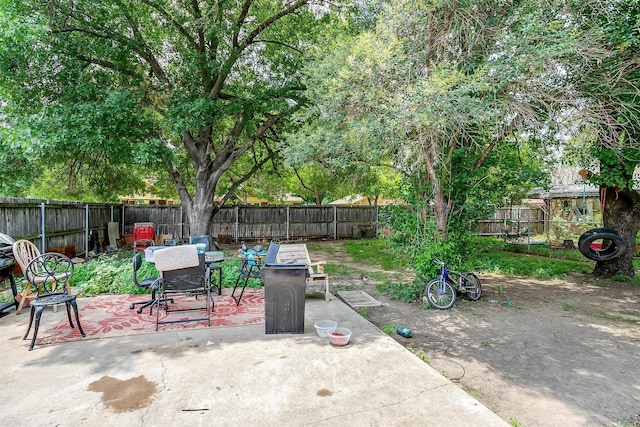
613	245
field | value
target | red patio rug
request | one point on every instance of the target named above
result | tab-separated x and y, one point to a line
110	316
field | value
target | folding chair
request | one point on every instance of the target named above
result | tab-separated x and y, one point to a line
251	267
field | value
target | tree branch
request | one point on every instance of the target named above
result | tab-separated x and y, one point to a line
166	15
240	21
126	42
508	130
277	42
235	54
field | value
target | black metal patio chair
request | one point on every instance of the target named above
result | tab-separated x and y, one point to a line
49	275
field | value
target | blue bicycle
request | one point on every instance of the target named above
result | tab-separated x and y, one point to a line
441	292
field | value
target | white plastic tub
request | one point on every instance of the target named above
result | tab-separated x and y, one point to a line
323	327
340	337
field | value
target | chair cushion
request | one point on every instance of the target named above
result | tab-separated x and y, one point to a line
148	281
176	257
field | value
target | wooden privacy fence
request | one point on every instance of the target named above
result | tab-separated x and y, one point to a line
513	221
51	224
260	223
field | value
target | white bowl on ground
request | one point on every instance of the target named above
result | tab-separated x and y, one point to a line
323	327
340	337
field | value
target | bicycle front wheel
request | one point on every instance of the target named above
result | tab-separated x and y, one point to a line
440	294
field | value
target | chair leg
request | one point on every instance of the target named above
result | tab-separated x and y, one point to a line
219	285
213	303
75	309
209	308
25	293
157	304
38	314
30	323
153	302
239	297
142	304
244	285
69	314
235	286
327	290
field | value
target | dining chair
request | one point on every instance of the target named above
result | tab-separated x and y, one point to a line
49	274
24	252
194	240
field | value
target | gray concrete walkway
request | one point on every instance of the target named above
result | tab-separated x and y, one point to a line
229	377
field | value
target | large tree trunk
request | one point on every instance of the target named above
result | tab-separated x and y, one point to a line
200	208
201	214
621	213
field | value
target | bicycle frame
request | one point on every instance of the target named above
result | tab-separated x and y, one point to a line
454	277
445	276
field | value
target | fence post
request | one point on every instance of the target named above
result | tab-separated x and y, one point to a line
182	223
86	230
237	231
287	224
43	232
335	222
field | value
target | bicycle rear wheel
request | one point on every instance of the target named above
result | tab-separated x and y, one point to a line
440	295
473	288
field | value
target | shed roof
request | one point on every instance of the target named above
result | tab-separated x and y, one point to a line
566	191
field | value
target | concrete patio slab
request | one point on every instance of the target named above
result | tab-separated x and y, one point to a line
228	377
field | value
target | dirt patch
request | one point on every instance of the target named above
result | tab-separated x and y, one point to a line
538	353
124	395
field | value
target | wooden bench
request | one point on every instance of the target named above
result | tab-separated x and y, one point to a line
298	253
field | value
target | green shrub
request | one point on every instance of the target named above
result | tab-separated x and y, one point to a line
110	274
113	274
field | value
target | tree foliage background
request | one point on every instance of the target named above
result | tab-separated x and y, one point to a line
472	101
194	92
455	106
